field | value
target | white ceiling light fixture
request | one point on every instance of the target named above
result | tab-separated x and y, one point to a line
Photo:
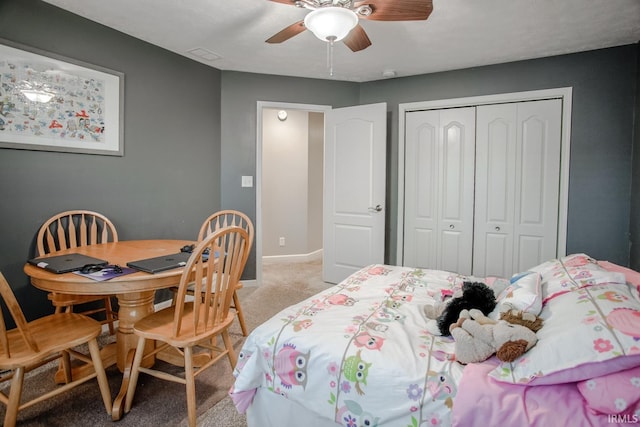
331	24
388	74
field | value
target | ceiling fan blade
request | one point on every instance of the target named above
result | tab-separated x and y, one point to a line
287	33
397	10
357	39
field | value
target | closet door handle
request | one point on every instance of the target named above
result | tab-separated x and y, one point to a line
451	226
378	208
497	228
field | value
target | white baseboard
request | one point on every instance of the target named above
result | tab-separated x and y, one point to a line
161	305
278	259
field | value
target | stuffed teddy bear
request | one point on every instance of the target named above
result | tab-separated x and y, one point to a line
477	337
519	317
472	295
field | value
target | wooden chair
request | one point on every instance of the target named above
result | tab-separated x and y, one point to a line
72	229
196	322
34	343
218	220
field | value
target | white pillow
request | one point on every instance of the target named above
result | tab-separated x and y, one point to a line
588	332
523	293
573	272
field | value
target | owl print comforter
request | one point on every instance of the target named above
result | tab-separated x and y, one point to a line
358	353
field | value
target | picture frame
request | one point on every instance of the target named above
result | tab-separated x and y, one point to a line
52	103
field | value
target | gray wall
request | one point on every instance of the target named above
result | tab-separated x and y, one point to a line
635	185
169	178
604	98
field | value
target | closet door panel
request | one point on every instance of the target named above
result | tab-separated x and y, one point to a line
495	190
537	202
529	248
421	180
500	134
439	159
451	245
457	154
497	246
532	166
423	252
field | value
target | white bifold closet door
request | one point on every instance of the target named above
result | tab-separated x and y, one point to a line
439	189
517	186
482	187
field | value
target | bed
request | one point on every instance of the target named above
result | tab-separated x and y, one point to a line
361	354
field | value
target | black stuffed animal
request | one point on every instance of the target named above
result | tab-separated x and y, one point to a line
474	295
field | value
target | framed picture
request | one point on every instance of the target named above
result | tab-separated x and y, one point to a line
52	103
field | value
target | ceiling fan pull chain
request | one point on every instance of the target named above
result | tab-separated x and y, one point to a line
330	57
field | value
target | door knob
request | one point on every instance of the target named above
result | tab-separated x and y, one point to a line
378	208
497	228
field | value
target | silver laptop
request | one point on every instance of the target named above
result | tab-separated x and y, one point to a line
65	263
161	263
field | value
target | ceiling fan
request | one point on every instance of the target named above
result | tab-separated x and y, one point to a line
342	24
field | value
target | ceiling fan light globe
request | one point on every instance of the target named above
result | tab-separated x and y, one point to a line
331	23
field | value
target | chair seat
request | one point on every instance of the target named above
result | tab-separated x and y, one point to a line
78	330
159	326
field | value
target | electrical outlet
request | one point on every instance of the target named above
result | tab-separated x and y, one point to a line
282	241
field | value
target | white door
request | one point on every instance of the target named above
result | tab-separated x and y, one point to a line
439	179
354	195
517	186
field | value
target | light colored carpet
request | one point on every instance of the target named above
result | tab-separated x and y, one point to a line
163	403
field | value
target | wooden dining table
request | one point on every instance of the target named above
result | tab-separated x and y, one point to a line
135	291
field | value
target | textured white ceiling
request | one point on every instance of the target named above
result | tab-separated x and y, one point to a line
458	34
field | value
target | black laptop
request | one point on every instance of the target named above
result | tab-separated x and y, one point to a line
65	263
161	263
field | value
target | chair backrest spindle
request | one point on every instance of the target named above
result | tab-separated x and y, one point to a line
72	229
11	302
218	276
229	218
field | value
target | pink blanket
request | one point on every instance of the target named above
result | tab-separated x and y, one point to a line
481	402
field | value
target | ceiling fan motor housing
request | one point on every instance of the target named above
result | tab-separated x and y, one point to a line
317	4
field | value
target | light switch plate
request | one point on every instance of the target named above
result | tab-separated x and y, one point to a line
247	181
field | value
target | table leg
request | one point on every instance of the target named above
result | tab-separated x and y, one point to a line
118	403
132	307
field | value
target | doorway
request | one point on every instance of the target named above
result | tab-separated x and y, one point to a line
289	166
354	165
